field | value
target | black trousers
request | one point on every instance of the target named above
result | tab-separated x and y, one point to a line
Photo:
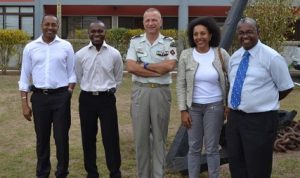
51	109
250	138
92	107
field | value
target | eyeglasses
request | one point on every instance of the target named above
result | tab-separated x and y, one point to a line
250	32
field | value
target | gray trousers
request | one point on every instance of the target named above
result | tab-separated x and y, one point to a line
207	121
150	112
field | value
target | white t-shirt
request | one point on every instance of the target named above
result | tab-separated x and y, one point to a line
206	85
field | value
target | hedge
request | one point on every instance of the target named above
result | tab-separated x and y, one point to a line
120	38
10	42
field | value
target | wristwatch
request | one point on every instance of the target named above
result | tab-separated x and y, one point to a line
145	65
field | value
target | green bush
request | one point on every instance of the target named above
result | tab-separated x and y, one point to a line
120	38
182	41
170	32
275	19
116	37
10	39
133	32
81	34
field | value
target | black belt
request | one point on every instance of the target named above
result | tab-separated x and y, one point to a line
50	91
97	93
243	112
150	85
238	111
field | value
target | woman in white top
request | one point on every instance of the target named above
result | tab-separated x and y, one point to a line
201	93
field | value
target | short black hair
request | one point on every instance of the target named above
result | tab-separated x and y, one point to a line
97	21
49	15
211	26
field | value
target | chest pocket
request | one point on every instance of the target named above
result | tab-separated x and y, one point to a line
190	70
141	56
190	67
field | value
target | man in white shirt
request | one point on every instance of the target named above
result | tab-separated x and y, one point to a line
48	71
253	118
99	70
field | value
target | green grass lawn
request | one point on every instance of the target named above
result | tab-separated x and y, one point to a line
17	137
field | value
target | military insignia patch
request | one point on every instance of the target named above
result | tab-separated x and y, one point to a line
139	51
162	53
172	52
159	53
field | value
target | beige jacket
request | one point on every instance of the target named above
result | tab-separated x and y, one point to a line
187	68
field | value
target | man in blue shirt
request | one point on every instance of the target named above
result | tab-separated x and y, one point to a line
253	101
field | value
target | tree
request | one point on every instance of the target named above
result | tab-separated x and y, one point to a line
275	19
9	41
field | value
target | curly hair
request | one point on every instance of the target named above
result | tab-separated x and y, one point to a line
211	26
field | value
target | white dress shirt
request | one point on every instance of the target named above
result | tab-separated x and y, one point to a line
98	70
47	66
267	74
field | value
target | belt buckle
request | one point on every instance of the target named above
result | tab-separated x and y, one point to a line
153	85
45	92
95	93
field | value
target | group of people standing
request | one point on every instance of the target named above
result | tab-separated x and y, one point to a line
253	79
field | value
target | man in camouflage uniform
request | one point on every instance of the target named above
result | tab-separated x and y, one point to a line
150	58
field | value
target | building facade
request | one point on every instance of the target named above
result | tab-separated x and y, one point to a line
77	14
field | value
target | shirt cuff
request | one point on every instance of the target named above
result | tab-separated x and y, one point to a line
72	79
24	87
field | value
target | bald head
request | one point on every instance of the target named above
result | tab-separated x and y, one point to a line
152	10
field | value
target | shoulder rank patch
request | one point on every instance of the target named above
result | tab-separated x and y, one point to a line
173	52
136	36
173	44
168	38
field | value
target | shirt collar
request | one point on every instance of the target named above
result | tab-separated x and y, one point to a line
253	50
40	39
160	38
104	45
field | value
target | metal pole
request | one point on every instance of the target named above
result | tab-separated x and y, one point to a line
231	21
58	14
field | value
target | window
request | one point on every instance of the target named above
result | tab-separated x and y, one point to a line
131	22
17	18
1	21
72	23
86	20
106	20
170	22
26	10
27	25
11	21
12	10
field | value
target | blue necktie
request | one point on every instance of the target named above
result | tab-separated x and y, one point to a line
239	81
